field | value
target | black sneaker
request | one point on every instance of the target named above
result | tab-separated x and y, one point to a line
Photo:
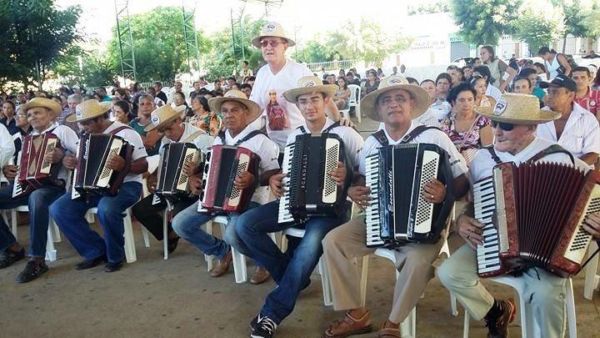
112	267
172	244
498	325
9	257
32	270
265	328
254	321
90	263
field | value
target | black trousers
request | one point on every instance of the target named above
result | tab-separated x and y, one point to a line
150	215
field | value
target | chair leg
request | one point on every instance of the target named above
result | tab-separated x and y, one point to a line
209	258
453	306
55	231
408	328
363	280
571	314
326	283
466	324
50	250
130	254
146	237
165	234
13	222
357	111
240	268
591	274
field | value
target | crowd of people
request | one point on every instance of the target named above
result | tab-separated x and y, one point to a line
484	113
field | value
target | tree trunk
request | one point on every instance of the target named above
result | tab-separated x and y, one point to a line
564	43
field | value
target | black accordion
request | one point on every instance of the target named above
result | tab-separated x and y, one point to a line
172	182
397	212
91	173
308	188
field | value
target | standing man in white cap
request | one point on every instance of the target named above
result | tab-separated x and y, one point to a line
274	78
69	213
397	104
515	119
41	114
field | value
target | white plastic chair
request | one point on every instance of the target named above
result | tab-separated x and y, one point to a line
130	254
591	274
526	312
353	101
53	232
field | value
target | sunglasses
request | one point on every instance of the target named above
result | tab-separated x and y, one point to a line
503	125
273	43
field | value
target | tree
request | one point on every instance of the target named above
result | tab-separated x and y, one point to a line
484	21
34	35
316	51
539	29
574	20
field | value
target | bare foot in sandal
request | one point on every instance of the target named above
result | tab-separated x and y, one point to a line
355	322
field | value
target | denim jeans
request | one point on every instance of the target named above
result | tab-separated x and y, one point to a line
291	273
38	202
187	224
69	214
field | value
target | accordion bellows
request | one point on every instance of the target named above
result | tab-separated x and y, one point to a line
171	180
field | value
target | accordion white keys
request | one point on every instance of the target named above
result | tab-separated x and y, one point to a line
34	169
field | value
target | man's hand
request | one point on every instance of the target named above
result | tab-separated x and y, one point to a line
189	168
151	138
116	162
195	183
592	225
151	181
276	184
10	171
360	195
434	191
54	156
339	174
70	162
470	230
346	122
244	180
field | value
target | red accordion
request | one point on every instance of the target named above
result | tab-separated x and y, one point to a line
34	170
223	164
533	216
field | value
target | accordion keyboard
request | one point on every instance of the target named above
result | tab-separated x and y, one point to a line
285	215
488	254
331	162
45	168
372	219
183	178
242	166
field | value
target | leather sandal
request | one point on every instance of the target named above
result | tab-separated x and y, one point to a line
389	332
349	326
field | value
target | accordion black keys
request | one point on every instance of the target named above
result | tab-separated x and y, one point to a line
223	164
34	170
91	173
397	212
172	182
308	188
533	216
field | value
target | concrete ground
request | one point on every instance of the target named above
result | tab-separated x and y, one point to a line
177	298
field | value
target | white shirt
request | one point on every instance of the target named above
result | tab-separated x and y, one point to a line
552	67
7	149
139	151
457	163
438	109
202	141
580	136
493	92
287	78
431	117
353	142
482	164
68	141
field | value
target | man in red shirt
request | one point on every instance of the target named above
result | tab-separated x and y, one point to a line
586	97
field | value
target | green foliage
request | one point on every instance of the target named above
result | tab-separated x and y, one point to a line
35	35
539	29
575	18
591	21
430	8
485	21
316	51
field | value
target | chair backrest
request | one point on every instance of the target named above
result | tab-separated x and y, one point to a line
354	99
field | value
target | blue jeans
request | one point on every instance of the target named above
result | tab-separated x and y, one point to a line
38	202
187	224
69	214
290	273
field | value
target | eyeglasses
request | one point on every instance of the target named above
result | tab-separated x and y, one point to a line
503	125
273	43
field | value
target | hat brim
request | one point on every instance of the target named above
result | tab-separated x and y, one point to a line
535	117
256	40
254	110
292	94
151	126
105	108
369	103
49	104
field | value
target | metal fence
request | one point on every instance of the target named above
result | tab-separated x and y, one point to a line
332	65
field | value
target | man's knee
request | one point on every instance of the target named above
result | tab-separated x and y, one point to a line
446	274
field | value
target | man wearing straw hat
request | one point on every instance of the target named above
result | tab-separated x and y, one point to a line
515	118
41	114
238	115
167	121
293	274
69	214
274	78
397	104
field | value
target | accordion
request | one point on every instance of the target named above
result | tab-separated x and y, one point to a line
308	188
533	216
172	182
34	170
91	173
397	212
223	164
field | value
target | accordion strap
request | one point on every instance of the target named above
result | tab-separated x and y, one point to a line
118	129
553	149
381	138
327	130
250	135
416	132
493	154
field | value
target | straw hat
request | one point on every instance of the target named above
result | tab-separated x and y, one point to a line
274	29
164	115
42	102
518	109
369	103
254	110
89	109
309	84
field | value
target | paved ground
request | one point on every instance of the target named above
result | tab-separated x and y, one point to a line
177	298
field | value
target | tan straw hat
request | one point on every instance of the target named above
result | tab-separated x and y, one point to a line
518	109
42	102
163	115
254	110
309	84
89	109
273	29
369	103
